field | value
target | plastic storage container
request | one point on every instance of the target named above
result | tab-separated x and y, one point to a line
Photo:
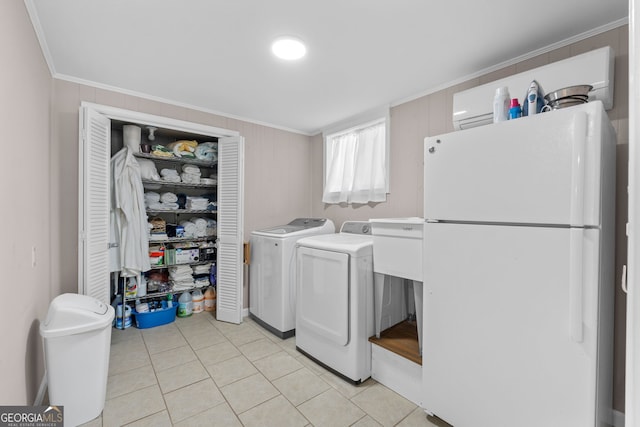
158	317
77	338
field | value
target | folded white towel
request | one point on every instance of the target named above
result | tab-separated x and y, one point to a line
168	197
163	206
196	203
177	287
171	178
201	269
169	172
189	228
199	222
191	169
151	196
158	237
190	178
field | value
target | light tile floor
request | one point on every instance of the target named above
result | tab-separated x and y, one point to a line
201	372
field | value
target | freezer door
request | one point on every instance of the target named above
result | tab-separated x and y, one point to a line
543	169
510	326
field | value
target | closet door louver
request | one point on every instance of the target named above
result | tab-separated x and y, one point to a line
93	215
230	228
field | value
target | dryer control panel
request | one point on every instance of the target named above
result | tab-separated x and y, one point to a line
356	227
302	223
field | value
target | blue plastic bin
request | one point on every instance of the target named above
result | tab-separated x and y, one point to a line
156	318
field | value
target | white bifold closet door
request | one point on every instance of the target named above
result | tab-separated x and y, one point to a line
93	206
230	228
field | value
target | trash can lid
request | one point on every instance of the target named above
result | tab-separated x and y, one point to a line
71	314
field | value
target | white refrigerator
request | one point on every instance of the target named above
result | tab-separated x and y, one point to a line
519	272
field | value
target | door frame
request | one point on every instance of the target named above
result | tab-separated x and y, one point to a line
632	364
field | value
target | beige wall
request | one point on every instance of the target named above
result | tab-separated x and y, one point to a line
25	87
430	115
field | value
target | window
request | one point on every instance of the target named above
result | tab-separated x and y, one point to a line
356	164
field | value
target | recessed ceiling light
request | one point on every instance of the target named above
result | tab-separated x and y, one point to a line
288	48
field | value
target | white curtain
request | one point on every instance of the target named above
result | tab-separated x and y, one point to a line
356	166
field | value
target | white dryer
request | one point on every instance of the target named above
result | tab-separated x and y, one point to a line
334	316
272	297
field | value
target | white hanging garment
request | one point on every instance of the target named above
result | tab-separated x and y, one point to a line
130	214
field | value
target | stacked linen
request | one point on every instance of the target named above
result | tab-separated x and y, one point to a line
181	276
197	203
189	229
202	275
190	174
202	268
161	151
168	197
202	282
155	201
151	197
170	175
201	226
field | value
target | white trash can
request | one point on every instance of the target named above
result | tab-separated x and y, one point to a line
77	339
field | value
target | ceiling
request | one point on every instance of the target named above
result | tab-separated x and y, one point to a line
215	55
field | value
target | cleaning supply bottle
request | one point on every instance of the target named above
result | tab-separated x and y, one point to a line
515	111
169	300
142	287
501	105
198	301
185	305
123	316
131	287
209	299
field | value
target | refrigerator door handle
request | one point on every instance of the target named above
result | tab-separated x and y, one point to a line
576	236
579	127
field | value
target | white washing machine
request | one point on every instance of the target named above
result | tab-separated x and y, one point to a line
334	316
272	298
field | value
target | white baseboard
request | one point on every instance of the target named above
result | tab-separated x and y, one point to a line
245	312
618	418
41	391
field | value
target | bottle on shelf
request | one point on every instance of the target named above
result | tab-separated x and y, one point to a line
131	287
515	111
501	105
170	300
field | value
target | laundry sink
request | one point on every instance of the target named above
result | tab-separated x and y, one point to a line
397	247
